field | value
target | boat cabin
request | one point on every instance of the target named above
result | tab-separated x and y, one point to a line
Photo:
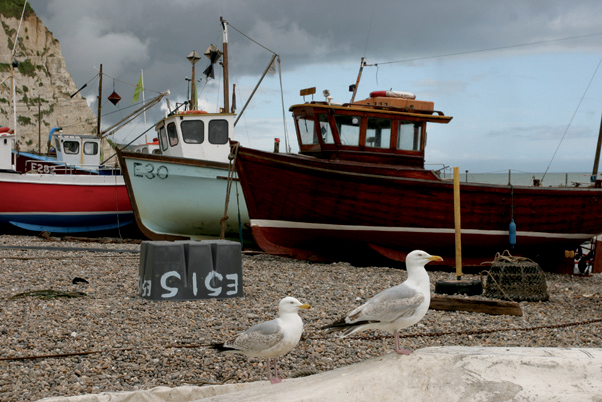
77	150
196	135
385	129
148	148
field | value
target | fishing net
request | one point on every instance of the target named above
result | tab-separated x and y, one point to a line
515	278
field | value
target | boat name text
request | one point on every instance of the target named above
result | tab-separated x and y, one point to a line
150	171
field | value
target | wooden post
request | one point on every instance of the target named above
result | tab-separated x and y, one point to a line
39	125
457	223
467	286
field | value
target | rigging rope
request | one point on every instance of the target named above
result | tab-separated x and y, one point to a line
287	147
111	130
572	117
490	49
231	171
249	38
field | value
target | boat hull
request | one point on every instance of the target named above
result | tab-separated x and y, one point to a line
318	209
183	198
64	203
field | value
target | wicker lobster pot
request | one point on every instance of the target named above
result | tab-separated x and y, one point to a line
516	278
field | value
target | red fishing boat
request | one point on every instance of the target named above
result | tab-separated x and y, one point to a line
358	189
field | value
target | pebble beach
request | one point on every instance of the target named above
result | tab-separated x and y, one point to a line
105	338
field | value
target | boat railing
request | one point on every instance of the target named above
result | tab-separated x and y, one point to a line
521	178
444	171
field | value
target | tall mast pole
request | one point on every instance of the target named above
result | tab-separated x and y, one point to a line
225	65
14	65
99	103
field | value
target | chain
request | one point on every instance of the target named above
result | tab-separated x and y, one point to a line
476	332
428	334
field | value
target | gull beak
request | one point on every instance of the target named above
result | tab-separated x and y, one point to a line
435	258
305	306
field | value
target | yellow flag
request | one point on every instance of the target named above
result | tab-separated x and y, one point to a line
138	90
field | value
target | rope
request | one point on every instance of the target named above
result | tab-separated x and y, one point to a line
231	171
571	120
194	346
528	283
497	284
507	257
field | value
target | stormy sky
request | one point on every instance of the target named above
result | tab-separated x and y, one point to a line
520	78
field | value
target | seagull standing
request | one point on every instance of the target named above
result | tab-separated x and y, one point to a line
395	308
270	339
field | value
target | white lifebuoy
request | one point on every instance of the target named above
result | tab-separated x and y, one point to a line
392	94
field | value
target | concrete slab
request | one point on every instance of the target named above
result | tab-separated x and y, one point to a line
438	373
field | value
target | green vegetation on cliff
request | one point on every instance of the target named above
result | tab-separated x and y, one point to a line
14	8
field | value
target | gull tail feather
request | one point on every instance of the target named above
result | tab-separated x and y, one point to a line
344	327
220	347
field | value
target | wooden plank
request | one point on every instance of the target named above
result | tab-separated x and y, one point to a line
308	91
495	307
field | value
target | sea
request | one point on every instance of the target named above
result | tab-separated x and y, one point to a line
519	178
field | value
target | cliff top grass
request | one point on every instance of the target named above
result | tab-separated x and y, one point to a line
14	9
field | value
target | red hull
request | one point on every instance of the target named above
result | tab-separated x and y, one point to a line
64	203
319	209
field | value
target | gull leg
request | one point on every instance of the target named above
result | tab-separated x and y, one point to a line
275	379
398	348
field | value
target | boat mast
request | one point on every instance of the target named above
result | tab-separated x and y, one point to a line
359	75
99	103
14	64
193	57
597	158
225	65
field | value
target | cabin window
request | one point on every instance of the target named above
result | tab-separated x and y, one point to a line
90	148
163	138
218	132
172	134
306	130
325	130
193	131
349	129
378	133
409	137
71	147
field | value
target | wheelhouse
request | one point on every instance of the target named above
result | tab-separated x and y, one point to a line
78	150
196	135
391	131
